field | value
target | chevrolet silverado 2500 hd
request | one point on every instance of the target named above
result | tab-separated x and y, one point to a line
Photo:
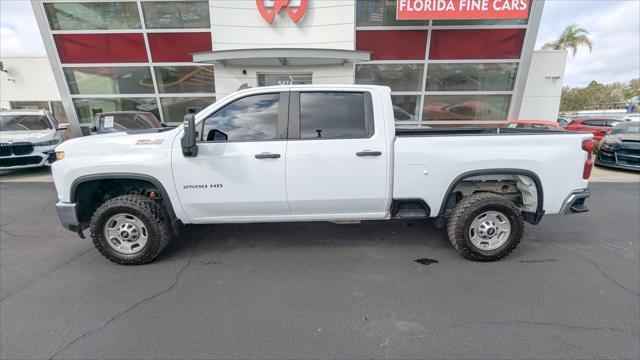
316	153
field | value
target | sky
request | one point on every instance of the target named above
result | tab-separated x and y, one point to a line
614	26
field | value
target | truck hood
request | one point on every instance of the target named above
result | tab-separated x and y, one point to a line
27	135
117	144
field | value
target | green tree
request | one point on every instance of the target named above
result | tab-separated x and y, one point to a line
572	38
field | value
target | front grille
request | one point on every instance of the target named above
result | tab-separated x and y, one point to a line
18	148
22	148
20	161
5	149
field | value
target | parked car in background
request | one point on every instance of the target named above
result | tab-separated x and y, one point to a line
599	127
28	138
621	148
632	117
533	124
116	121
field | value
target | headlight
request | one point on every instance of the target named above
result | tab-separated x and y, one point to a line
59	155
47	143
608	146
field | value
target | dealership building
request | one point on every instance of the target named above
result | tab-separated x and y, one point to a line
172	57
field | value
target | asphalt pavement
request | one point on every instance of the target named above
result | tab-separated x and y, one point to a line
318	290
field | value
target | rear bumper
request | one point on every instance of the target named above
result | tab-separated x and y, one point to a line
575	202
68	215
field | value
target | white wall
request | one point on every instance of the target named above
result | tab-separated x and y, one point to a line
543	88
27	79
237	24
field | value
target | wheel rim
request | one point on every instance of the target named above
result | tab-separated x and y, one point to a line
125	233
490	230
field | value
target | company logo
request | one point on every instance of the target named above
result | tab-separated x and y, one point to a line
269	8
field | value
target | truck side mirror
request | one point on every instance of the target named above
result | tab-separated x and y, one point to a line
188	141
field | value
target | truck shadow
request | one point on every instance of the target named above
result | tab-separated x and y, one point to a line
270	236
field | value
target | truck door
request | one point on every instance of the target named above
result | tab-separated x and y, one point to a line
337	157
239	171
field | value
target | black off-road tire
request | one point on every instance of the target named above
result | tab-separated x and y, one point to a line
150	212
467	210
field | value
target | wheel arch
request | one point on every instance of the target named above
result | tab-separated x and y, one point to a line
166	200
533	218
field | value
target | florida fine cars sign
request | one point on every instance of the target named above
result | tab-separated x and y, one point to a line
462	9
269	8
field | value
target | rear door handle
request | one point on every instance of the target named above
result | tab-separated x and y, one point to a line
369	153
267	156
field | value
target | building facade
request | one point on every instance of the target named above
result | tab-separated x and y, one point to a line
170	57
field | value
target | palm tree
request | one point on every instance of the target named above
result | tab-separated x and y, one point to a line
573	37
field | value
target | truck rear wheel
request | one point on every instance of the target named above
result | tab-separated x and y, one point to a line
130	229
485	227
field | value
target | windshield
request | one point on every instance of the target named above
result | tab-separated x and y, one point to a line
17	122
123	122
632	127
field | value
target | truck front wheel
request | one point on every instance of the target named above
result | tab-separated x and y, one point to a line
485	227
130	229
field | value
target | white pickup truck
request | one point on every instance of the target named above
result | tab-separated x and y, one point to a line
316	153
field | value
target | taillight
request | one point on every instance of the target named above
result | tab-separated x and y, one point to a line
588	146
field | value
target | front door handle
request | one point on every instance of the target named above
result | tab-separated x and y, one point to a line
369	153
267	156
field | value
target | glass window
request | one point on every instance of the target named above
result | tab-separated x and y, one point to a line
93	15
176	14
109	80
88	108
29	105
250	118
466	107
114	122
332	115
174	109
613	123
16	122
405	107
594	123
380	13
185	79
58	111
476	44
399	77
471	77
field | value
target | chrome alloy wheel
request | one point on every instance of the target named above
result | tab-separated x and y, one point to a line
489	230
125	233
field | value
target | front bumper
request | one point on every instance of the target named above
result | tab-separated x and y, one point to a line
574	203
68	215
45	157
621	158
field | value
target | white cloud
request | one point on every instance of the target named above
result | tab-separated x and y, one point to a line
19	34
615	30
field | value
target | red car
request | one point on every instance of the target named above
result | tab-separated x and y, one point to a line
600	127
533	124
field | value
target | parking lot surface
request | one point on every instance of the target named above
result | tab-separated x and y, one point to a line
316	290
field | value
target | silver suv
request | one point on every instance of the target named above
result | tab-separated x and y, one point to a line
28	138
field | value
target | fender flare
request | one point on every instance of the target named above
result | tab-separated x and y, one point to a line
128	176
533	219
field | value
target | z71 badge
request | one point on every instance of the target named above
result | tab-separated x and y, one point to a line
149	142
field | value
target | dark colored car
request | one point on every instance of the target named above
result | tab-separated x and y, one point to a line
621	148
600	127
108	122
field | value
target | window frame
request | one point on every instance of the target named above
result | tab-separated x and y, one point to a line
281	124
295	121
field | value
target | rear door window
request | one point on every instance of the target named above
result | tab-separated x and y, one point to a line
333	115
